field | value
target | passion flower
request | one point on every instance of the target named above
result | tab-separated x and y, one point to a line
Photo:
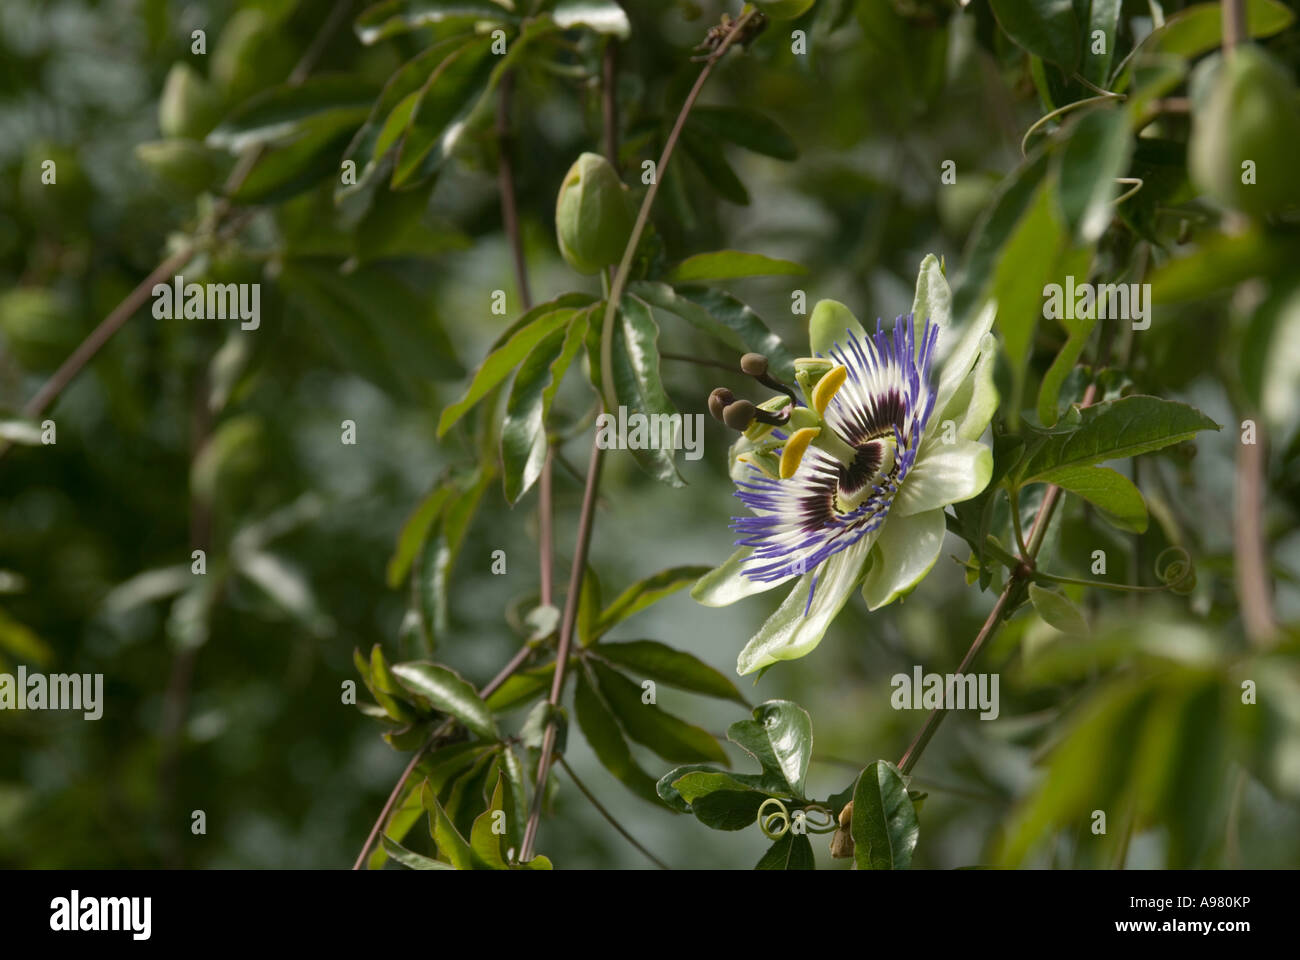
850	486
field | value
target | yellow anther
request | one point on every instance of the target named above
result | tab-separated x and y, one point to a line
795	447
827	387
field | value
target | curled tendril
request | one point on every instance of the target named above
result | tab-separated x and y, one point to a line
1174	568
781	814
776	823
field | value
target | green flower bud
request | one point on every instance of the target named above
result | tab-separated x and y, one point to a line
783	9
1248	114
593	215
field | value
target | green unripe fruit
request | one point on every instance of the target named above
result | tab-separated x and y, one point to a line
593	215
783	9
1249	113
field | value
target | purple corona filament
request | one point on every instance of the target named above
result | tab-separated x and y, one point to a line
802	521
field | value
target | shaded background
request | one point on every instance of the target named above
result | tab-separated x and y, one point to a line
237	711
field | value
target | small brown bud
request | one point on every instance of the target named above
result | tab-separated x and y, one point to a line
739	414
718	401
754	364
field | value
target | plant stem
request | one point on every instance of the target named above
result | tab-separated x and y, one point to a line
1234	25
610	817
585	524
913	753
699	361
643	215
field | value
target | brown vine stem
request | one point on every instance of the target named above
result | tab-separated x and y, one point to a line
585	524
589	495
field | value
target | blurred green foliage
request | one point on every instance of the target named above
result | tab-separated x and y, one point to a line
223	693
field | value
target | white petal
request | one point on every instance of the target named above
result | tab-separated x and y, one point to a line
943	474
976	400
906	551
933	300
789	634
726	584
830	323
960	348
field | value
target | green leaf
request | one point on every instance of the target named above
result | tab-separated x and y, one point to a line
389	117
509	351
884	826
731	265
791	852
284	112
1057	610
1096	152
524	440
1112	430
1199	29
656	661
441	111
387	691
673	739
450	843
1047	28
602	16
728	809
645	592
533	733
448	693
1113	494
402	16
286	169
744	127
695	784
1028	260
408	858
484	841
635	362
414	531
723	317
707	155
1103	15
605	737
993	231
780	738
521	687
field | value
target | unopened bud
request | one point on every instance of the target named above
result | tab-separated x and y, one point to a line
754	364
739	414
593	215
718	401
